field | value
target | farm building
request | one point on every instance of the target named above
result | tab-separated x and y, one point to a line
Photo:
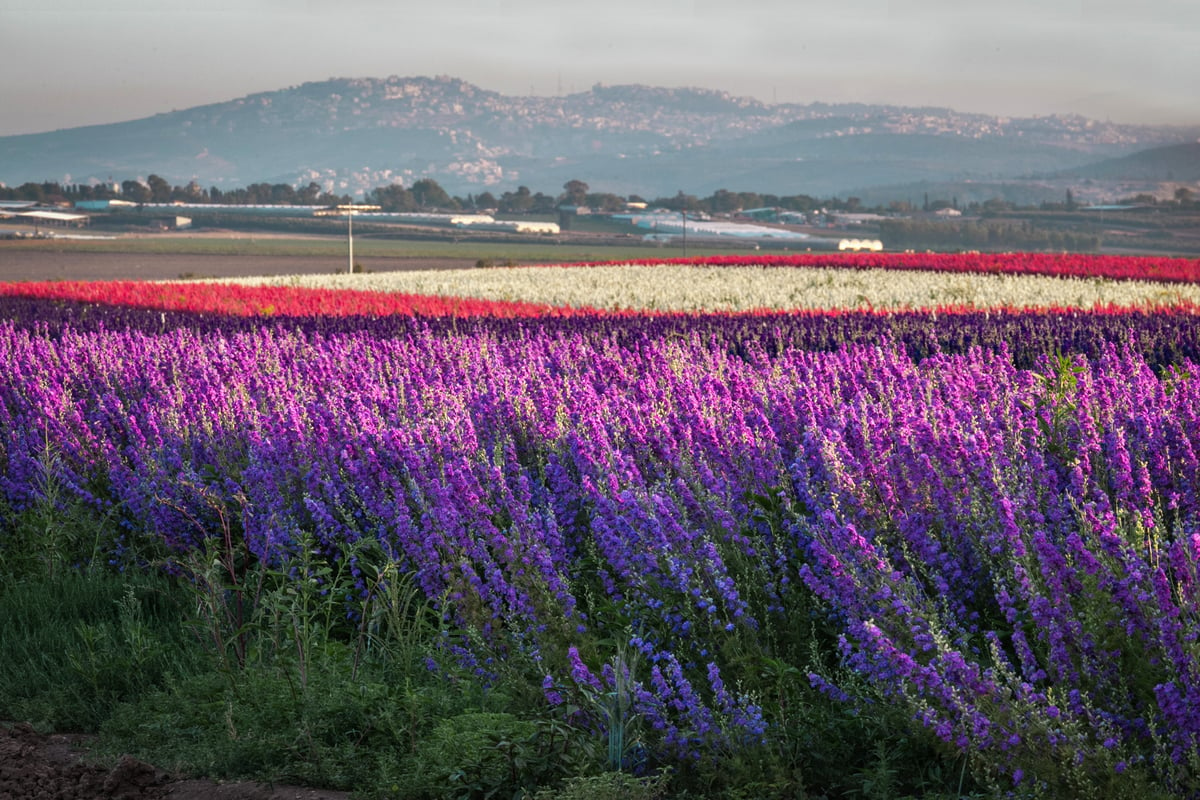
105	205
172	222
513	226
53	218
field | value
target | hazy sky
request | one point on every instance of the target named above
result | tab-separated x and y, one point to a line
80	62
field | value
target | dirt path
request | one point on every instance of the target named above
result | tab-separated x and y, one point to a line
35	766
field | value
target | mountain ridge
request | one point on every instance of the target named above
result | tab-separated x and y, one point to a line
351	134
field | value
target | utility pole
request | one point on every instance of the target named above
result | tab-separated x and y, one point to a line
684	213
349	210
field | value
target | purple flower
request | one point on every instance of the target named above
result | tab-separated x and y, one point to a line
580	673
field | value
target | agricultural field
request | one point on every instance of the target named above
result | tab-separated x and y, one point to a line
808	526
651	288
224	254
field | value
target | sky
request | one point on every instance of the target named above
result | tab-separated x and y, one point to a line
69	63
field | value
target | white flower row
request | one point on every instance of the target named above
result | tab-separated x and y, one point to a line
696	288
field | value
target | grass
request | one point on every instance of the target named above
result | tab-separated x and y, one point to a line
75	646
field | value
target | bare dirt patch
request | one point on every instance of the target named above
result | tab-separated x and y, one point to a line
34	766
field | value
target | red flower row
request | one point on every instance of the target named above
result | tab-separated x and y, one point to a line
240	300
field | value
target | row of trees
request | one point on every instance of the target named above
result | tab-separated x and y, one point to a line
970	235
423	195
156	189
427	195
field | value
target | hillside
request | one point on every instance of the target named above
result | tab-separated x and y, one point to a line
351	134
1177	162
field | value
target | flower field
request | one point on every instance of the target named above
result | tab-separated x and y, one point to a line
684	529
713	288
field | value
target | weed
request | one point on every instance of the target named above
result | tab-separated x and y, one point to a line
608	786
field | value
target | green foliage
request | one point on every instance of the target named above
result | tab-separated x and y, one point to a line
1057	405
73	647
55	533
473	755
263	726
608	786
77	636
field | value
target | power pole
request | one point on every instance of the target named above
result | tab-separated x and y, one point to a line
349	209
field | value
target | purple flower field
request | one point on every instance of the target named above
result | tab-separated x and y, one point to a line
993	520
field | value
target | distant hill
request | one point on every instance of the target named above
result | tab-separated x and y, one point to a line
352	134
1176	162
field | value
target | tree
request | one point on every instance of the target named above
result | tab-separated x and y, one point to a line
485	200
751	200
798	202
519	202
542	204
160	190
574	193
135	191
995	205
393	198
31	191
428	194
724	201
192	193
604	201
283	194
102	191
680	202
308	195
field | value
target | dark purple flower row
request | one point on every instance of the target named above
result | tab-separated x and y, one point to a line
1006	540
1161	337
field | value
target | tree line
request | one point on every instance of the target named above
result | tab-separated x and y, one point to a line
156	189
423	195
982	235
426	194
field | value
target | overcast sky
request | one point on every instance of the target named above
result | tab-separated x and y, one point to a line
80	62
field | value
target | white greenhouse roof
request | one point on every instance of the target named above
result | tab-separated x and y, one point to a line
53	216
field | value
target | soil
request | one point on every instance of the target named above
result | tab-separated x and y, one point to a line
35	766
67	265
